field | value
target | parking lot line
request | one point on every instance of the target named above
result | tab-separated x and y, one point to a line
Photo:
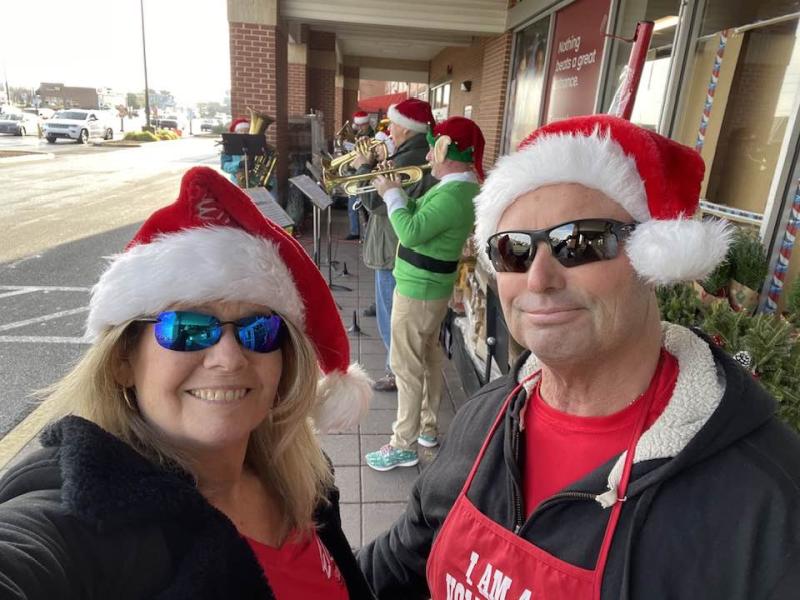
56	315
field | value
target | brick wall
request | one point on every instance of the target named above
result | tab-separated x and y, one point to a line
494	81
466	65
371	87
350	93
298	99
338	108
321	95
282	113
253	73
322	77
259	80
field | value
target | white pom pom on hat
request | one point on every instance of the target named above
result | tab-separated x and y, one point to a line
654	178
213	244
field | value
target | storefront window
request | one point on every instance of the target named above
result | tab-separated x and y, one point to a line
743	88
653	84
440	101
527	82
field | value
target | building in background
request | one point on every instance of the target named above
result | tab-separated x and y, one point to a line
58	95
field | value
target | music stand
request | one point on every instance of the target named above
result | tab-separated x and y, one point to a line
320	201
247	145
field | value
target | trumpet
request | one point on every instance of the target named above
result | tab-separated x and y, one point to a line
352	184
339	165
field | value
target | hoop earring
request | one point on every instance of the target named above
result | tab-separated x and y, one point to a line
131	403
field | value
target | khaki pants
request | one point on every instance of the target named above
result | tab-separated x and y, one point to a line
416	360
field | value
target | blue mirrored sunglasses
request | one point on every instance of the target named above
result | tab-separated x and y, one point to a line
186	331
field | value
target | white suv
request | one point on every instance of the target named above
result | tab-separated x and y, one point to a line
77	124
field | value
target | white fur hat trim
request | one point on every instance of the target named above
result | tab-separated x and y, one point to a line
342	400
597	162
395	116
193	266
663	252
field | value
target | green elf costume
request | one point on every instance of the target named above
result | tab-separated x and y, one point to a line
431	231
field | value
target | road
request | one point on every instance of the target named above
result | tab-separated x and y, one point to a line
86	190
58	219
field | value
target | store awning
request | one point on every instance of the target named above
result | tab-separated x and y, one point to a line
381	103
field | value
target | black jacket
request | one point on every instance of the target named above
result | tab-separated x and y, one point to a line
87	518
380	240
718	520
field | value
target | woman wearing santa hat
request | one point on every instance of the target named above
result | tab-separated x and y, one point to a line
187	465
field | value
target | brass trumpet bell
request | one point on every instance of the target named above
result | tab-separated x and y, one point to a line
259	122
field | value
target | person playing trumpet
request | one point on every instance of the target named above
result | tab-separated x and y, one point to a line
363	131
431	230
410	120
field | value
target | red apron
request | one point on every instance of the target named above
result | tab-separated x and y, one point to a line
475	558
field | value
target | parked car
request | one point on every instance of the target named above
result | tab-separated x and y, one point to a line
209	124
19	124
79	125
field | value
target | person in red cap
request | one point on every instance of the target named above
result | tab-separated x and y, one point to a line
361	124
187	465
431	231
233	164
362	129
410	121
622	457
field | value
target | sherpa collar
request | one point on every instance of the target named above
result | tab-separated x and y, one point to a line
697	394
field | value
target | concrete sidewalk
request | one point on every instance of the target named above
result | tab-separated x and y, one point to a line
371	501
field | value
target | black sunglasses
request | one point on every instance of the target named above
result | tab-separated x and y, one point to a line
572	244
186	331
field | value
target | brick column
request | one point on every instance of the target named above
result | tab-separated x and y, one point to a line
494	81
350	92
339	101
322	77
259	71
298	79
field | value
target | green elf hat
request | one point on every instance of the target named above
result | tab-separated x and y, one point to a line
459	139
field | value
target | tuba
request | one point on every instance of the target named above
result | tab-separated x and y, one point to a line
259	122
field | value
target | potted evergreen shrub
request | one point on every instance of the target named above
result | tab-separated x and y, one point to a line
714	288
749	268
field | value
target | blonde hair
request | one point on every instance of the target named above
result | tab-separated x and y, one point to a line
283	450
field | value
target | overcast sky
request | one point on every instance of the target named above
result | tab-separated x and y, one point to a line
98	43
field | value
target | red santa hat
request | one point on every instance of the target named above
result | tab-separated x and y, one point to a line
458	138
360	118
240	125
655	179
413	114
213	244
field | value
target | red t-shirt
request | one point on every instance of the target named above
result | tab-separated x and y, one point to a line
300	569
560	448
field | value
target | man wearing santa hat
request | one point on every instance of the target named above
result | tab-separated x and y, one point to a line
622	457
431	231
410	120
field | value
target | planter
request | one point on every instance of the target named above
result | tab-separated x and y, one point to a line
707	299
742	297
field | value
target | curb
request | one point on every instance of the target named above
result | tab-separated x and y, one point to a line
29	157
115	145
